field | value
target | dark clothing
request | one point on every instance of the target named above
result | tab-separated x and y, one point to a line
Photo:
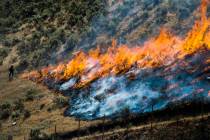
11	72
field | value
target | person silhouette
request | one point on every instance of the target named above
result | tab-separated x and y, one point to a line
11	72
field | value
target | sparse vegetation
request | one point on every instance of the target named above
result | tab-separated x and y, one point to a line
60	102
31	95
46	25
15	114
35	134
10	92
3	54
18	105
14	110
5	110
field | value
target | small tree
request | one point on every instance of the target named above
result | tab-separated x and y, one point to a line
35	134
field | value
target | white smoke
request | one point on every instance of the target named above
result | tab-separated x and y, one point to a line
109	96
112	95
67	85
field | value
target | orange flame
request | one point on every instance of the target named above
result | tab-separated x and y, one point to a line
199	35
155	52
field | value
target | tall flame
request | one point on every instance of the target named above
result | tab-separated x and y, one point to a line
155	52
200	33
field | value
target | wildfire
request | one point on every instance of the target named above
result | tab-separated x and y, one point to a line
199	35
155	52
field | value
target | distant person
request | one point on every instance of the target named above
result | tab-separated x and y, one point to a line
11	72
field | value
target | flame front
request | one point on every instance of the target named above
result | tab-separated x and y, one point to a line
156	52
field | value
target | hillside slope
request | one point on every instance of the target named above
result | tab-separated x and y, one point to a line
31	107
39	30
47	32
34	34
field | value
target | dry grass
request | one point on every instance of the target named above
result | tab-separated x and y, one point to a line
40	118
160	130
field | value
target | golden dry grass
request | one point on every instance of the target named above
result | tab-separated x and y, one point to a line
40	118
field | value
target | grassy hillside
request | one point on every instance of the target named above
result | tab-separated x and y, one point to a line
41	32
38	30
31	107
32	33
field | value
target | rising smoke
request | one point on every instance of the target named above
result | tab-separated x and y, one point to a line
163	70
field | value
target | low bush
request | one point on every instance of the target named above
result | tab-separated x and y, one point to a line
30	95
3	53
60	102
18	105
35	134
5	110
4	114
15	114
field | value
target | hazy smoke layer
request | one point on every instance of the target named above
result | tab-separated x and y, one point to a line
150	87
111	95
132	21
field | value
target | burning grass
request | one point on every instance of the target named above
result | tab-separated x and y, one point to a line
104	75
156	52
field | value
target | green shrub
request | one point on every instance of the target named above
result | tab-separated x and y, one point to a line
35	134
47	13
15	114
30	95
3	53
5	110
22	65
5	105
9	21
59	34
60	102
4	114
18	105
